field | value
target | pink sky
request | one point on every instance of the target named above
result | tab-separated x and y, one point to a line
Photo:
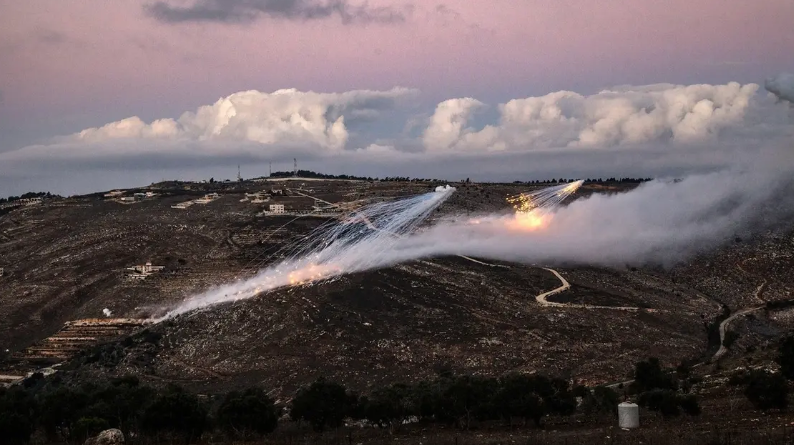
80	62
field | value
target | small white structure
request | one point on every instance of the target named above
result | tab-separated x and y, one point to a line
277	209
2	271
114	193
107	312
141	272
628	415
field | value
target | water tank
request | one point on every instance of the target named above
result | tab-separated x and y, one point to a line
628	415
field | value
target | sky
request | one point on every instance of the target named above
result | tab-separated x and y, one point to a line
96	95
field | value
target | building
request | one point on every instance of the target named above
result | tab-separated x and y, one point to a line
141	272
30	201
114	194
2	271
277	209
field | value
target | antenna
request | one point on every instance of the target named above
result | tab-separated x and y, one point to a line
271	168
295	172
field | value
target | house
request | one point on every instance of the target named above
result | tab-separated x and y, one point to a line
277	209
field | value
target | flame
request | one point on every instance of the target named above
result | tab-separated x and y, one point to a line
530	221
312	273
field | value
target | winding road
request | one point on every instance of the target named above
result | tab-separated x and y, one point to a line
542	299
724	325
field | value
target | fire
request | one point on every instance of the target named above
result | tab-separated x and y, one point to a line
530	221
311	273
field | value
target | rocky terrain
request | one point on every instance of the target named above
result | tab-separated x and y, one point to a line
67	260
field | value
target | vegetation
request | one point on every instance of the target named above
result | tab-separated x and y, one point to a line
28	195
785	357
766	390
71	413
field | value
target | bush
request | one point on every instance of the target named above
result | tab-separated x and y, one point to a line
689	404
664	401
86	427
648	375
517	398
730	338
176	412
323	404
785	357
17	409
766	391
251	411
601	400
390	406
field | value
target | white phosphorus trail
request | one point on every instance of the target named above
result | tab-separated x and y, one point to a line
361	242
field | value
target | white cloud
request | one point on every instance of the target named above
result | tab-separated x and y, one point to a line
284	116
781	86
447	125
669	114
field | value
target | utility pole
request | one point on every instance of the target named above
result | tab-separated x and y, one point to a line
295	172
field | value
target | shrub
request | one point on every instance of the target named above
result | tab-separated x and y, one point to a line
785	357
176	412
251	411
766	391
322	404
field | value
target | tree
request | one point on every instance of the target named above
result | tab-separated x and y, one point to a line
663	400
17	409
785	357
766	391
176	412
60	409
649	375
601	400
390	406
322	404
516	397
689	404
250	411
86	427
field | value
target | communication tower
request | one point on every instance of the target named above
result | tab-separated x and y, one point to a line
295	171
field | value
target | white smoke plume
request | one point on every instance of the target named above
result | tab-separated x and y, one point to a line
659	223
781	86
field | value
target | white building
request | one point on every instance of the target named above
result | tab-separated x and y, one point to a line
141	272
277	208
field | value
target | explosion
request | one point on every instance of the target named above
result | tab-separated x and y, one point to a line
534	211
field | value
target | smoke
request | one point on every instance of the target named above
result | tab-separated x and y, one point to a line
781	86
364	241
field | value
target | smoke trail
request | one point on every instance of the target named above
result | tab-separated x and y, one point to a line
360	243
660	222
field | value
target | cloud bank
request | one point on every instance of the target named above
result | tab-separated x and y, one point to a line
628	115
654	130
281	117
246	11
781	86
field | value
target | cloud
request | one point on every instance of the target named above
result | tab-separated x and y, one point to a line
282	117
246	11
654	130
664	113
781	86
